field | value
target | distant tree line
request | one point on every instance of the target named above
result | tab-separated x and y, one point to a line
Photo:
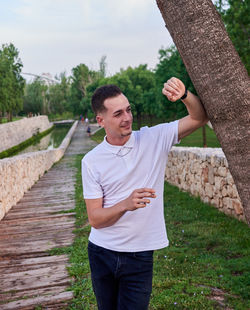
141	85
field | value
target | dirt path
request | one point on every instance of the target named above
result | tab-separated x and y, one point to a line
29	277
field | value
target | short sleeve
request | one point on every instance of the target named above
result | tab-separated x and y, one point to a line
167	134
91	188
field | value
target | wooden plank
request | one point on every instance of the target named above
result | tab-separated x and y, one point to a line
26	304
51	217
38	247
13	230
32	293
37	278
29	262
14	240
36	213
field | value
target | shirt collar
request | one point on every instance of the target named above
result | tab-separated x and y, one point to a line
120	150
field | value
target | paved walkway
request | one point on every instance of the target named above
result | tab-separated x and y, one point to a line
29	277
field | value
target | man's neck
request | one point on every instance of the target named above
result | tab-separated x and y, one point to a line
118	141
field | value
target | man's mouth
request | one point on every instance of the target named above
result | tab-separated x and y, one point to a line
127	126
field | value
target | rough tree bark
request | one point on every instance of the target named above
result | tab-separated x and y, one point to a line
219	77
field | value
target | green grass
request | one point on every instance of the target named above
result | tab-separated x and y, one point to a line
208	250
15	118
195	139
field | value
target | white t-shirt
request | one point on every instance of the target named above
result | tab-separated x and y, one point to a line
112	172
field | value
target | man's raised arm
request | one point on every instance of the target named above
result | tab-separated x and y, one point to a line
174	90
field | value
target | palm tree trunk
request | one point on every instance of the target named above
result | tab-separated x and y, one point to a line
219	77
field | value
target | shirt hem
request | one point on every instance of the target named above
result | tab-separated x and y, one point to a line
138	249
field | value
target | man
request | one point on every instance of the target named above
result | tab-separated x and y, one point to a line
123	179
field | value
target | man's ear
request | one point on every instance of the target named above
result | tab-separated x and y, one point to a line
100	120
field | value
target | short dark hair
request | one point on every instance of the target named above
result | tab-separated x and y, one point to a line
101	94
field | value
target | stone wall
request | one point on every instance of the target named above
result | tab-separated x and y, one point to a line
14	133
204	172
19	173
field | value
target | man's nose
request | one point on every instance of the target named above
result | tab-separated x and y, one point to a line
127	116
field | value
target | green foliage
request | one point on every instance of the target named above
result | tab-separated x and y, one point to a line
58	95
140	90
170	64
81	78
62	116
11	81
236	16
138	85
34	97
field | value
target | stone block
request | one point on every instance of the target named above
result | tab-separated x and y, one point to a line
224	192
219	183
229	178
205	174
210	175
235	192
222	171
237	207
209	190
228	203
215	161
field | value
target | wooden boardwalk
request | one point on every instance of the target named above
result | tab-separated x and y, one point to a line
29	277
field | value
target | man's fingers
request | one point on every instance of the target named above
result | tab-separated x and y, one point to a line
145	195
172	90
143	201
173	84
145	189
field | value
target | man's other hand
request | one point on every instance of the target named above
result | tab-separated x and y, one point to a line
139	198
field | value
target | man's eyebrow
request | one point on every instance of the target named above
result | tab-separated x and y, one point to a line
118	111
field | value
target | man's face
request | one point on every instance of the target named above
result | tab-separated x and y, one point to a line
116	120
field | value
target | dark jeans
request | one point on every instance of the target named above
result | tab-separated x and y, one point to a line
121	280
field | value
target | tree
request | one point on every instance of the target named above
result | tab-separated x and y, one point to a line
137	84
34	97
219	77
81	78
11	81
170	64
58	95
103	67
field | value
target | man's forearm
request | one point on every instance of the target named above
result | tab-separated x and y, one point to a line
100	217
195	108
104	217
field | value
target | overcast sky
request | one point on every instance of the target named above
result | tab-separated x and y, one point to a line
57	35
